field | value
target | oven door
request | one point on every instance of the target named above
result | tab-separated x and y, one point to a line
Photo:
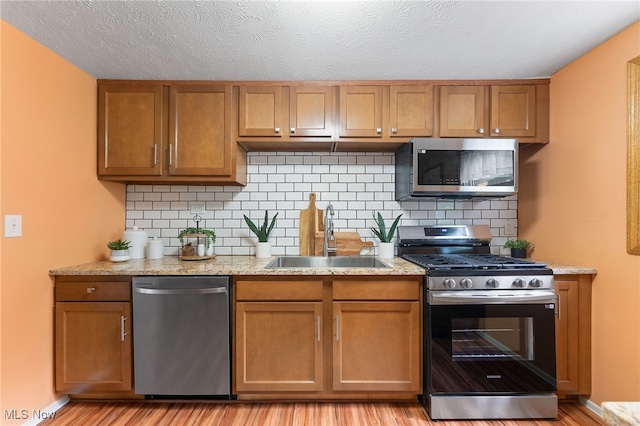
480	343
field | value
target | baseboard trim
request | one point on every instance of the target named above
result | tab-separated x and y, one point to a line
591	405
48	412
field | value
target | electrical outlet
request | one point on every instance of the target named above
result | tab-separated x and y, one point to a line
197	209
510	228
12	225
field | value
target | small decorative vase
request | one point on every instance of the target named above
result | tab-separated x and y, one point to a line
520	253
210	246
119	255
263	250
385	250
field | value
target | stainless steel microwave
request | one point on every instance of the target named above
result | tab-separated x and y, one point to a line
456	168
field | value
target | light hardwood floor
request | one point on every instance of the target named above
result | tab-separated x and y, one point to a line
154	413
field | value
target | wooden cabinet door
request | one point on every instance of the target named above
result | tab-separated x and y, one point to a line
462	111
93	347
573	335
376	346
361	111
260	111
410	111
513	111
130	130
278	346
200	141
311	111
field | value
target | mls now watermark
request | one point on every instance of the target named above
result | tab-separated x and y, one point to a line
28	414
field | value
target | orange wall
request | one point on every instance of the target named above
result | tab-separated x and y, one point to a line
48	175
573	204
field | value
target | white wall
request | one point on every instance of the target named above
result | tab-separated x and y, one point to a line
357	184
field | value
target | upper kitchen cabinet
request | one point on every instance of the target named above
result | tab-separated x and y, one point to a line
130	130
200	130
287	118
518	111
361	111
410	111
168	133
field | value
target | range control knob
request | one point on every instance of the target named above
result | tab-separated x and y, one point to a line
519	282
492	283
466	283
535	282
449	283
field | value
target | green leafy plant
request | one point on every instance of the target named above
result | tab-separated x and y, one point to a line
381	232
119	245
263	232
193	230
518	244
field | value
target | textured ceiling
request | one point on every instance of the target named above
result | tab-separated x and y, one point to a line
320	40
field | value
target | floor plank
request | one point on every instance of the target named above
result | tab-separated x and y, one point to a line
153	413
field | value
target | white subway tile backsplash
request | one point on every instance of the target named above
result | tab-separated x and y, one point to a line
357	184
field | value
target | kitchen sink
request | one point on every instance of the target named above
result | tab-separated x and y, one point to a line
287	262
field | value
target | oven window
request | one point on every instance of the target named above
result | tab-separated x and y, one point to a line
466	168
492	339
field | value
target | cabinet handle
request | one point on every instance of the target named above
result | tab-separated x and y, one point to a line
293	130
170	154
155	154
481	130
277	130
337	327
318	326
496	131
91	289
558	304
393	130
379	130
122	332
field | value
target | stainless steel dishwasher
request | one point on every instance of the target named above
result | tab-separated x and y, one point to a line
181	337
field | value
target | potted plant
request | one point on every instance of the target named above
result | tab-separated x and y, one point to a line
188	249
518	247
263	248
385	247
119	250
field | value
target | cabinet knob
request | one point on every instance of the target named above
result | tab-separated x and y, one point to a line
496	131
91	289
481	130
394	130
277	130
379	130
293	130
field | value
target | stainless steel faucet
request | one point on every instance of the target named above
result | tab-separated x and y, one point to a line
328	232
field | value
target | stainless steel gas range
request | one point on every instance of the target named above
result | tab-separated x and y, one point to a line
489	327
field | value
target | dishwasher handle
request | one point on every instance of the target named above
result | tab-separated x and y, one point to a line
175	291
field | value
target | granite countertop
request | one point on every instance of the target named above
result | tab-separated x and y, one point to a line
225	265
251	265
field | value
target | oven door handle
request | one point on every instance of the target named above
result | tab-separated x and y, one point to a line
491	297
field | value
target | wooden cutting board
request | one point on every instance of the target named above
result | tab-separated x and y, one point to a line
310	223
347	243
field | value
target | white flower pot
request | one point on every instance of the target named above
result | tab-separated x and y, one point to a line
119	255
386	250
263	250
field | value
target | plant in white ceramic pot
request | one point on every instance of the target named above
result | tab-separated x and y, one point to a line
119	250
386	246
263	248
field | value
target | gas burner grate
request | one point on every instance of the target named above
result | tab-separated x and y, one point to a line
470	261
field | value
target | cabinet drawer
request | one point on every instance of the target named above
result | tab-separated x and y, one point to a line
279	290
90	291
376	290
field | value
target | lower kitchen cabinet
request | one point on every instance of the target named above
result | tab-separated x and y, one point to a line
93	335
573	334
325	338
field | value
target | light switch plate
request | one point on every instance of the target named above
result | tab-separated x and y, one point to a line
510	228
12	225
